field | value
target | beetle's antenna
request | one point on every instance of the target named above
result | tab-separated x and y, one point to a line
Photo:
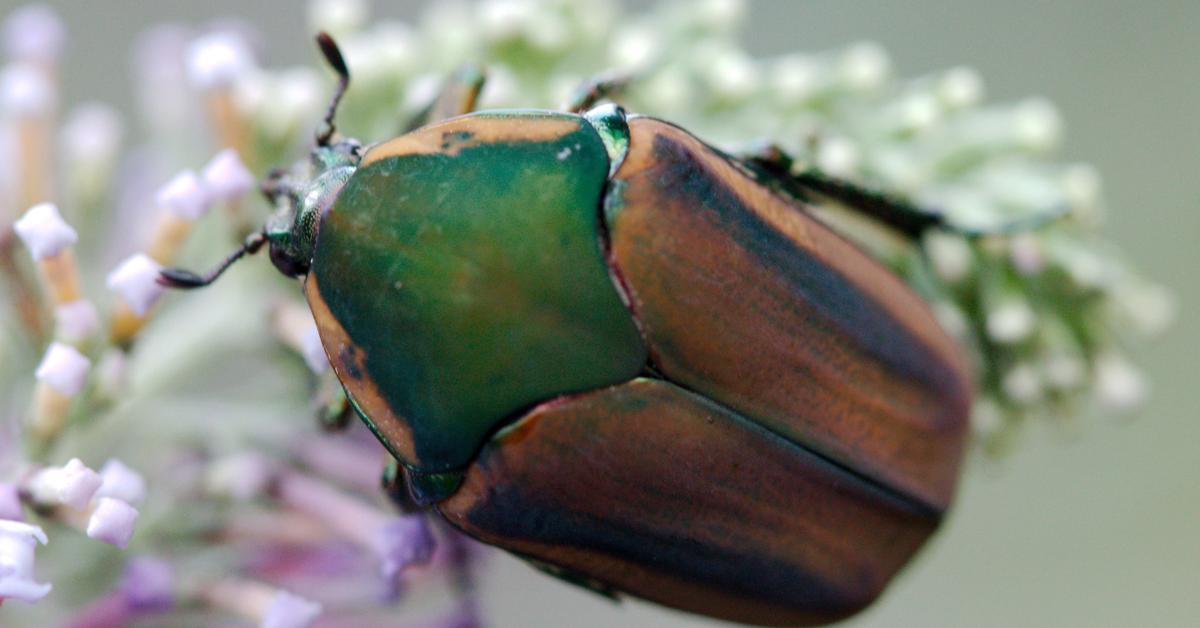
186	279
333	56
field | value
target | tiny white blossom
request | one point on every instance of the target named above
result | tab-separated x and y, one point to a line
72	485
337	17
865	65
838	156
950	255
26	91
76	320
112	522
92	133
185	195
1025	251
136	281
290	611
795	77
17	543
1037	124
34	33
227	177
218	60
64	369
960	87
1119	386
1023	384
44	231
1011	321
121	482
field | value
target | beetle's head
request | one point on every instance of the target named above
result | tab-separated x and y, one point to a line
301	195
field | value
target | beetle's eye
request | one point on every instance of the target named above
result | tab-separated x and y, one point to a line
287	264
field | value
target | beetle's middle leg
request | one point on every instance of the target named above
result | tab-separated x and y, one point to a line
810	184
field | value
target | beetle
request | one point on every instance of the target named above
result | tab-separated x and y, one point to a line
597	342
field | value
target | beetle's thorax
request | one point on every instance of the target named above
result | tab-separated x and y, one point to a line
307	192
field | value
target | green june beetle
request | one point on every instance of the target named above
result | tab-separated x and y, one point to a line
607	347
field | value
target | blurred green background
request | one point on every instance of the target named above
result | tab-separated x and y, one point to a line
1100	527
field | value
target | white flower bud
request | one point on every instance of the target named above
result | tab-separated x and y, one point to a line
795	77
1023	384
986	417
218	60
1011	321
17	543
185	195
112	522
290	611
720	14
227	177
1064	371
136	282
25	91
64	369
1025	251
1119	386
92	133
44	231
76	321
35	33
838	156
121	482
1037	124
733	74
635	48
504	19
864	66
337	17
72	485
960	87
950	255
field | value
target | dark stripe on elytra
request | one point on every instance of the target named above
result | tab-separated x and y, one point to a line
831	294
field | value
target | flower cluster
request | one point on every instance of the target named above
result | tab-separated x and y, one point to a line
227	496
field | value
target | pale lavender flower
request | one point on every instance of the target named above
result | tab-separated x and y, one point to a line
34	33
10	503
121	482
136	282
399	543
185	195
112	522
76	321
288	610
147	587
17	543
44	231
149	584
227	178
64	369
71	485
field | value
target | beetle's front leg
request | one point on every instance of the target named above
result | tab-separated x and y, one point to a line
459	95
593	90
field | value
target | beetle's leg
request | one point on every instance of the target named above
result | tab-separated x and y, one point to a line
810	184
459	95
333	408
593	90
